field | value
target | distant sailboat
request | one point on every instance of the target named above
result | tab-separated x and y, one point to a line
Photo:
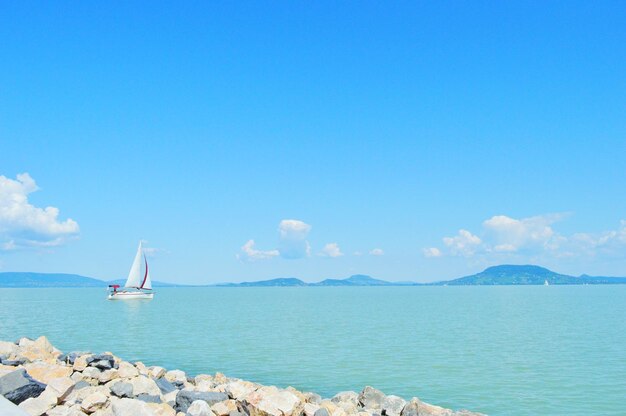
546	283
138	279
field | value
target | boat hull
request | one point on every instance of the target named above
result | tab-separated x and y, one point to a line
124	295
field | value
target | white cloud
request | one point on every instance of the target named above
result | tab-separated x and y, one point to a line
511	235
249	253
331	250
463	244
293	243
531	239
23	225
432	252
377	252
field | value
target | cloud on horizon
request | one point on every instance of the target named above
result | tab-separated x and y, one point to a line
25	226
504	237
293	243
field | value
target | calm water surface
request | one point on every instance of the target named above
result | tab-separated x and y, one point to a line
500	350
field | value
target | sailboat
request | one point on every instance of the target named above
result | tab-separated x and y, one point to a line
546	283
138	285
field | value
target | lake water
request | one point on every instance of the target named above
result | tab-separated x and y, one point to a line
499	350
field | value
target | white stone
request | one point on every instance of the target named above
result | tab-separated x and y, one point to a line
239	389
310	409
91	372
7	348
145	385
61	386
199	408
276	403
156	371
176	376
93	402
108	375
127	370
130	407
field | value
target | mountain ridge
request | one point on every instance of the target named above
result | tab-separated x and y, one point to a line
500	275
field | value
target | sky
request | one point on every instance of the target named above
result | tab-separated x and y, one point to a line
243	141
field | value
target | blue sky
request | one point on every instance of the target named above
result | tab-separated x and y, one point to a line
250	140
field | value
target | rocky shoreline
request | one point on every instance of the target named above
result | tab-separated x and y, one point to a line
41	380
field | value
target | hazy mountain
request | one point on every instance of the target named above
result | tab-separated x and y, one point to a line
285	281
27	279
527	275
356	280
496	275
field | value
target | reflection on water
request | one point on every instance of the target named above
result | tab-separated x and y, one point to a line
499	350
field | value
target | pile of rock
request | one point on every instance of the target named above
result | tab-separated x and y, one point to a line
43	381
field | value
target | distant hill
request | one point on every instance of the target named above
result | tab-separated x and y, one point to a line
527	275
28	279
285	281
355	280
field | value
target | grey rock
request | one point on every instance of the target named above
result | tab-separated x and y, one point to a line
321	412
101	361
165	386
236	413
14	363
148	398
370	398
121	389
184	398
18	386
81	385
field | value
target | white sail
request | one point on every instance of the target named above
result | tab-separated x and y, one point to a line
135	276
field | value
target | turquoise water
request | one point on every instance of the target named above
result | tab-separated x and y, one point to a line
500	350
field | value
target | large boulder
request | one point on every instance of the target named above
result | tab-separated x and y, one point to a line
225	408
239	389
130	407
101	361
165	386
144	385
18	386
276	403
416	407
44	372
127	370
39	349
393	405
346	396
61	386
122	389
36	406
8	349
370	398
321	412
184	398
93	402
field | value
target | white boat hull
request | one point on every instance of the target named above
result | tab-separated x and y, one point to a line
128	295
